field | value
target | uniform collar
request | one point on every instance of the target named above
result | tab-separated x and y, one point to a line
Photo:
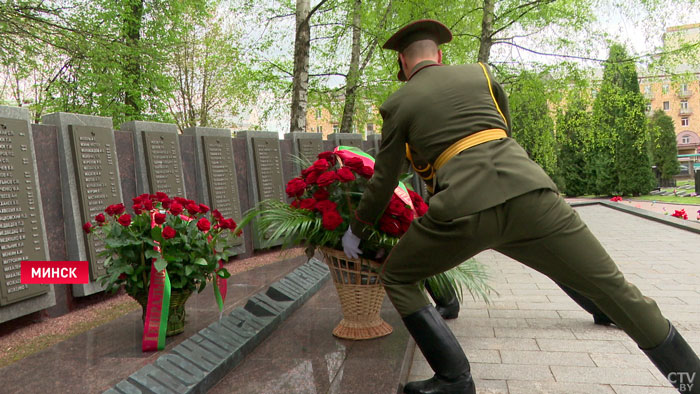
424	64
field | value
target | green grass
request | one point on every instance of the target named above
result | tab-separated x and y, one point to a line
670	199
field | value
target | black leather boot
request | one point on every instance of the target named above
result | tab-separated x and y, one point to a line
447	305
677	362
442	351
599	317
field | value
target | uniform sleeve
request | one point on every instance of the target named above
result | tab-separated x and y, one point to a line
387	169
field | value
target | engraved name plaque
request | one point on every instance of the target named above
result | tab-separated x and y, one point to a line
222	185
268	169
21	230
309	149
95	162
163	162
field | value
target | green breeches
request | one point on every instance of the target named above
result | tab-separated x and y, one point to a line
538	229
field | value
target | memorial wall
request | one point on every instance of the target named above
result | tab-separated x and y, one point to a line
78	165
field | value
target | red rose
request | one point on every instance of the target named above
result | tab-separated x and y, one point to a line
326	205
115	209
327	155
228	224
306	171
355	163
87	227
320	165
421	208
138	208
331	220
321	194
203	208
217	215
148	204
345	174
182	201
403	227
296	204
193	208
168	232
176	208
166	202
406	216
295	187
100	218
396	206
366	171
326	178
124	219
390	225
312	177
203	224
159	218
160	196
307	203
136	200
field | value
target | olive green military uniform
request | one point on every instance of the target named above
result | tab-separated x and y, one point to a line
490	196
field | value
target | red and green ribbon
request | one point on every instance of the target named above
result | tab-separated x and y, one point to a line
157	306
346	152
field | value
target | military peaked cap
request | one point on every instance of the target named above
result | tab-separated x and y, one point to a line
418	30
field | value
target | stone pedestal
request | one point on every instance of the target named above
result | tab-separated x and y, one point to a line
216	172
91	182
305	146
347	139
22	229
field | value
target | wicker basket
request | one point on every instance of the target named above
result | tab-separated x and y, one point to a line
361	296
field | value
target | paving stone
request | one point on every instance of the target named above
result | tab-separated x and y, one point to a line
498	343
588	346
546	358
512	371
620	389
602	375
533	333
489	386
529	387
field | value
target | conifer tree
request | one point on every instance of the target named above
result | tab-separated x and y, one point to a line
664	149
572	127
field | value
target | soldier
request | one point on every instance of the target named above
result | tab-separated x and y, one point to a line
487	195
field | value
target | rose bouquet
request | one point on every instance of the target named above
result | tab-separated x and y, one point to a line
178	234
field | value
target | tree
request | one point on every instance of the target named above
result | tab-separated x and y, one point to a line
572	128
621	129
532	124
663	145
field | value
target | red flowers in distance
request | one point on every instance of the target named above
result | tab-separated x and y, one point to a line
616	199
681	214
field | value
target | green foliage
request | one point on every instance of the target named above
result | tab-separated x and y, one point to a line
572	128
470	275
533	126
663	144
621	155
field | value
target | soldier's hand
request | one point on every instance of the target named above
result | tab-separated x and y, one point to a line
351	244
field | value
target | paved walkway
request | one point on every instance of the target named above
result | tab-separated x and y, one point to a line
533	339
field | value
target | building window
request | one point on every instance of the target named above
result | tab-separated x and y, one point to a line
685	121
667	105
685	139
370	128
336	128
648	107
664	88
318	113
319	129
684	89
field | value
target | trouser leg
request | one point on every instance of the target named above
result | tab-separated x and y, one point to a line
599	317
558	244
446	302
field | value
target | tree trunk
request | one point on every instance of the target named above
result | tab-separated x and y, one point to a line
353	72
131	32
486	40
300	86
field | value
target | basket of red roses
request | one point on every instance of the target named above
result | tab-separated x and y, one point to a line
325	196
